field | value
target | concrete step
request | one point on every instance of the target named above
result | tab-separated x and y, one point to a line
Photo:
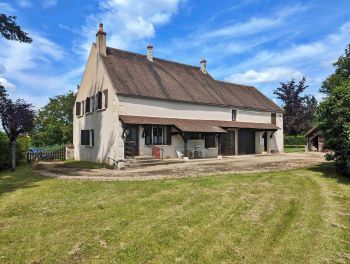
139	158
144	161
151	163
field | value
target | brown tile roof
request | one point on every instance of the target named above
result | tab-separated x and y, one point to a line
133	75
192	125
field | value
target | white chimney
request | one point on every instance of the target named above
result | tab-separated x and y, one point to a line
101	41
150	52
204	66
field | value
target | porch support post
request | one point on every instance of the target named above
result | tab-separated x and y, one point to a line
184	136
219	145
236	141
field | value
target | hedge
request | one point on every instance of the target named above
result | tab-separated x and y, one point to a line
294	140
5	151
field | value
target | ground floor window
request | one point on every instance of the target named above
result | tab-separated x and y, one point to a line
210	141
87	137
157	135
195	136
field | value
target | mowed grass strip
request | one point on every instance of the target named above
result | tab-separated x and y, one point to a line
297	216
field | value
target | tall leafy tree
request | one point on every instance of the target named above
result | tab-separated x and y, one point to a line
17	119
11	31
333	117
341	74
310	106
54	122
297	108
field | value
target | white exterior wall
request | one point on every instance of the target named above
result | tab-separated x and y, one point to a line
104	123
157	108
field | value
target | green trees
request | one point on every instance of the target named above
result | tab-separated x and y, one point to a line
341	74
11	31
54	122
298	109
333	114
17	118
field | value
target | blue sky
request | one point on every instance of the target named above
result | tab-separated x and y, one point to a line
253	42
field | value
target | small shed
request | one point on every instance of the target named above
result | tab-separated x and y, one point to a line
314	140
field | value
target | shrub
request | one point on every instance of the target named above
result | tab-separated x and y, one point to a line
294	140
23	143
334	122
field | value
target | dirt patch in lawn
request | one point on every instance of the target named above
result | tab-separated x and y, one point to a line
193	168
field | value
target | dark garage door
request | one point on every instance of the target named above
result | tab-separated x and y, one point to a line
246	141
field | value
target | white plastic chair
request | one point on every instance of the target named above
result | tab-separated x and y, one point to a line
179	154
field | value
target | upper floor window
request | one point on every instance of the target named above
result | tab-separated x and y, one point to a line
105	93
78	108
99	100
92	103
273	118
88	105
82	107
234	115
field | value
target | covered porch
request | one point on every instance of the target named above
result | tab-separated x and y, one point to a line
189	139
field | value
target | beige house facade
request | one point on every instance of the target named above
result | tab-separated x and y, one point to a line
132	105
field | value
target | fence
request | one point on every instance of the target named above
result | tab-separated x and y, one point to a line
47	155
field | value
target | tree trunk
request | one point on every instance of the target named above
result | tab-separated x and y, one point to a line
13	155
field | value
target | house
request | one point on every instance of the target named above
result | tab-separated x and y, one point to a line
314	140
131	104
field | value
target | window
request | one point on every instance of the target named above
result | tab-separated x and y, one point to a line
77	108
99	100
92	103
87	137
273	118
105	93
157	135
210	141
234	115
87	107
195	136
82	107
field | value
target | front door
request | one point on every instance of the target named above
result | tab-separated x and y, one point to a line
227	142
131	146
246	141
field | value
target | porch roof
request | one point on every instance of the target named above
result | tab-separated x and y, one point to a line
194	125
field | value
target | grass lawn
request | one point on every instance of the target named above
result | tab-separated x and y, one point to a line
297	216
294	148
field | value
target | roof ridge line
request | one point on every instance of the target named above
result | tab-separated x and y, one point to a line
239	84
155	58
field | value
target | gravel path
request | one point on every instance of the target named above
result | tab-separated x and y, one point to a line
194	168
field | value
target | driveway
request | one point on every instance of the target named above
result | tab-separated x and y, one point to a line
193	168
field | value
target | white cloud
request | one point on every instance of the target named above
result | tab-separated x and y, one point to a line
49	3
250	27
35	69
313	59
15	56
127	22
7	84
7	8
265	75
25	3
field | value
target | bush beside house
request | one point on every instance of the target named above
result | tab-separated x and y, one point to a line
23	143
